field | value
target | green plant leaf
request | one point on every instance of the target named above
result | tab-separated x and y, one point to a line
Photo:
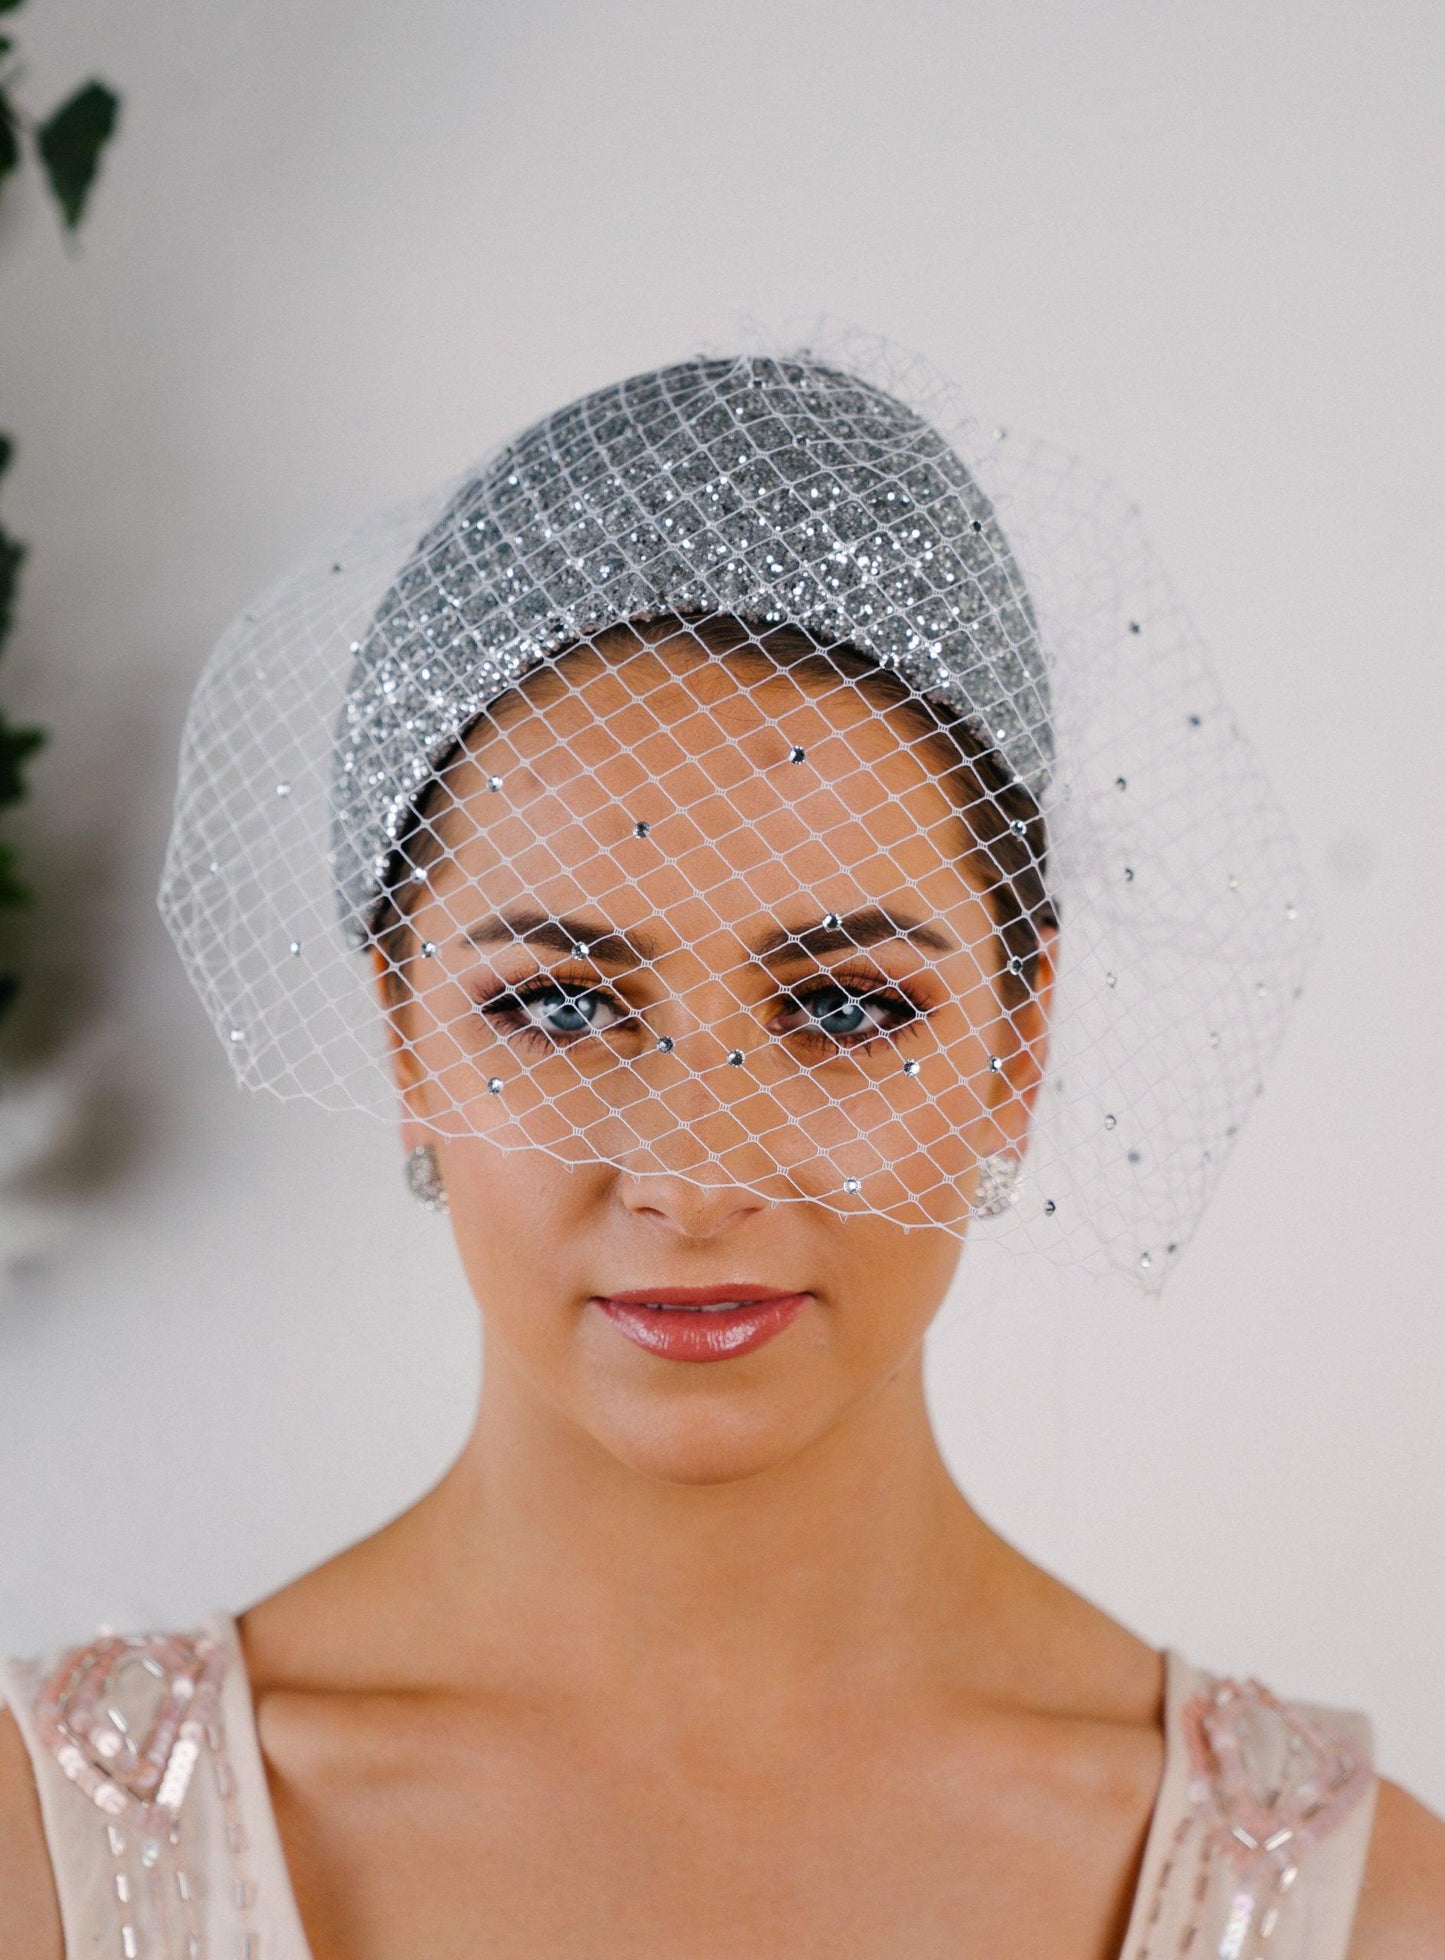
70	143
9	135
17	745
12	557
14	892
10	6
9	988
7	453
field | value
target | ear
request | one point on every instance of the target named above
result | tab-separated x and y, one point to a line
1024	1032
405	1069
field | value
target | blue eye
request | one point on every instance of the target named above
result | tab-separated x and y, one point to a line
564	1013
555	1008
835	1011
845	1014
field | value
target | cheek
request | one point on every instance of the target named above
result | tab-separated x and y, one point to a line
892	1284
451	1052
513	1214
904	1273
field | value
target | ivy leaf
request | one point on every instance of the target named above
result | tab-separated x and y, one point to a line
70	143
12	557
7	453
17	745
9	988
9	136
9	6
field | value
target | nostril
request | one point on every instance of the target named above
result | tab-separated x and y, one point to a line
686	1206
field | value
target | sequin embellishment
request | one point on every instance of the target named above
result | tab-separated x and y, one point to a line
130	1720
140	1776
1269	1780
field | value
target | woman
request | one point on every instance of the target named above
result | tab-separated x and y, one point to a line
772	849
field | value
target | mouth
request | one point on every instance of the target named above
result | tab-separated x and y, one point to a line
701	1323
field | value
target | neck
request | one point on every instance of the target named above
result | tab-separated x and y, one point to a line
850	1555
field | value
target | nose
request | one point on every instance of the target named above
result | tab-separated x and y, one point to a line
685	1208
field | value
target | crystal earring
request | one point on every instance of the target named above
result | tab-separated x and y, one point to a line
999	1176
424	1177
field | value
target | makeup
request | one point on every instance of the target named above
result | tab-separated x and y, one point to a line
701	1323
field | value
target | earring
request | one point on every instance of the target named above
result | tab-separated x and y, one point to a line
999	1176
424	1178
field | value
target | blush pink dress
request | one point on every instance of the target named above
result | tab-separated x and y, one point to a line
165	1846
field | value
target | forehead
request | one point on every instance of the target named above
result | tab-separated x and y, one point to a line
662	779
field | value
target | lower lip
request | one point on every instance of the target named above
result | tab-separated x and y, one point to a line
687	1334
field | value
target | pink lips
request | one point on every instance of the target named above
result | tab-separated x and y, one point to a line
699	1323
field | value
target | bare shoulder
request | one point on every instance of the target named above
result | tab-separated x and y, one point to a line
29	1909
1401	1913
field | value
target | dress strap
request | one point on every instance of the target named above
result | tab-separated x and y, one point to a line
1258	1842
128	1742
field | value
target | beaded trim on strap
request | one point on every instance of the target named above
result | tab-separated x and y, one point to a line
130	1719
140	1776
1269	1780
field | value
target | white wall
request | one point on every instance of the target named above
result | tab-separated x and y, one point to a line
340	248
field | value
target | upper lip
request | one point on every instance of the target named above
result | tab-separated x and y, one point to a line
700	1296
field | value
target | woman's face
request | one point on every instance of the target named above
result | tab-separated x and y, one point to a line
700	1004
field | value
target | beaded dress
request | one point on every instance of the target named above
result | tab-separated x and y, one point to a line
165	1845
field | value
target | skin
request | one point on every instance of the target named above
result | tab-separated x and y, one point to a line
708	1660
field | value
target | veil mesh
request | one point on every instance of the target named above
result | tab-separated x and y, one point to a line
763	772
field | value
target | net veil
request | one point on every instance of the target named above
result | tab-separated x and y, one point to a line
759	771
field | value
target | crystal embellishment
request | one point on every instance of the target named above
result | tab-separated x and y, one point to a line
1273	1774
126	1718
1269	1779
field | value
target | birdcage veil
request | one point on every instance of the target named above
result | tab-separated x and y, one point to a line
770	668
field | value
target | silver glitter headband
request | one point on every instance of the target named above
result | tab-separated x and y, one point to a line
778	490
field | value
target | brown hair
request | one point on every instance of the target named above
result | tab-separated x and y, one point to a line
1006	849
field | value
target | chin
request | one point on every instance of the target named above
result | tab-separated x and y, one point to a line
699	1449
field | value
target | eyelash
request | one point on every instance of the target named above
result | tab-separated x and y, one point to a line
860	985
507	1008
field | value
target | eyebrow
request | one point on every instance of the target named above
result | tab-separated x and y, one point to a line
779	946
521	925
871	926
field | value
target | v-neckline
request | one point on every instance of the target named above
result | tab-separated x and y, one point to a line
285	1935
